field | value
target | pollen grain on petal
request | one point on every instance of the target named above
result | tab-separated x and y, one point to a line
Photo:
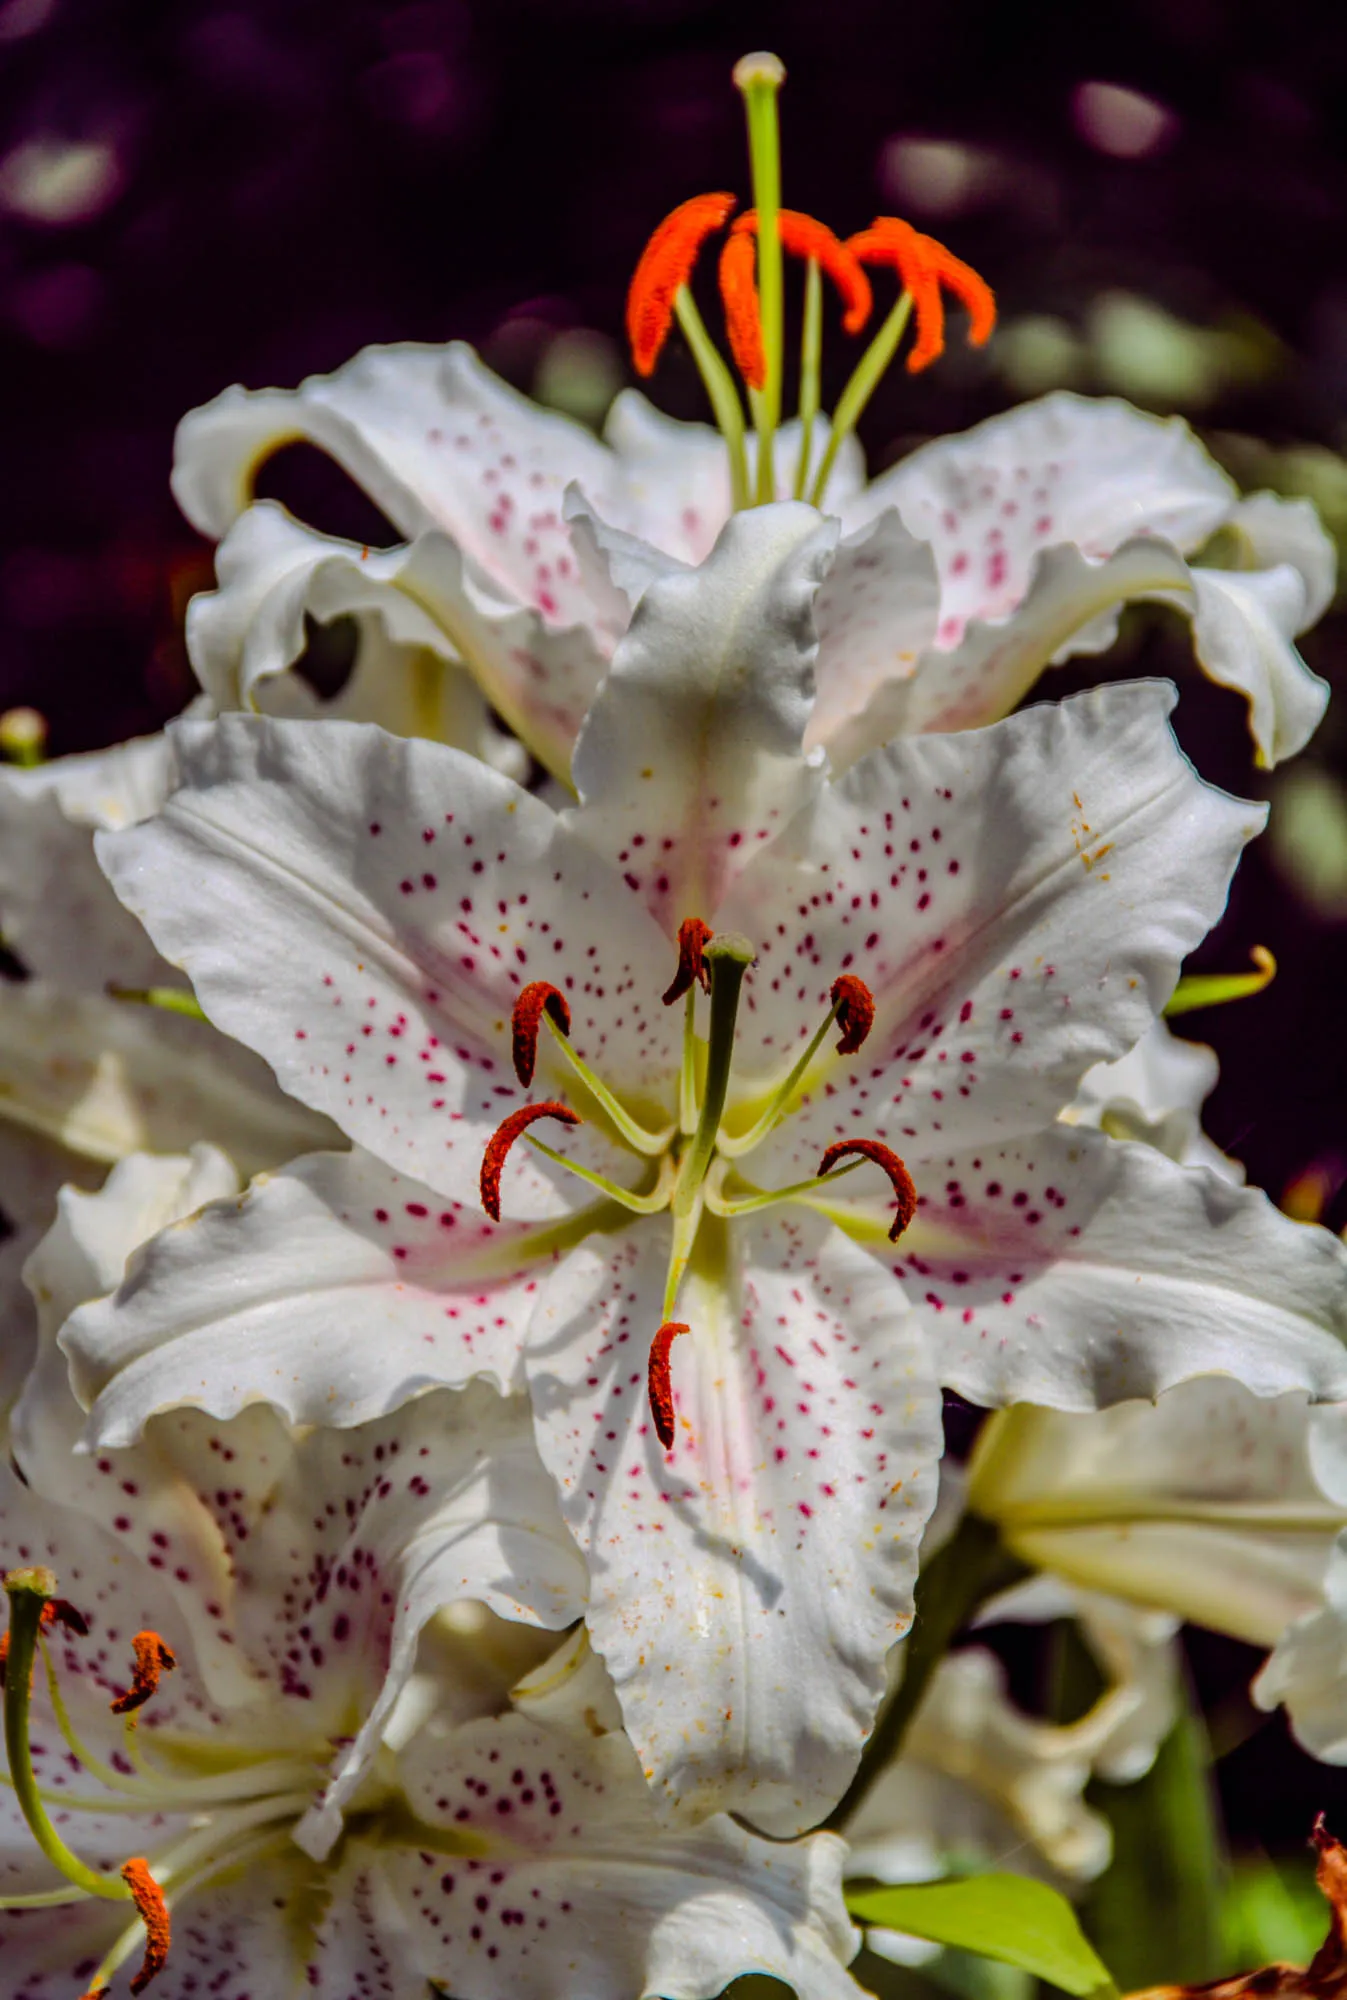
151	1658
659	1380
900	1180
739	296
539	997
664	266
148	1898
499	1144
693	937
855	1005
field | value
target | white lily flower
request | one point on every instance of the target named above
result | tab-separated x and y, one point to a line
393	925
321	1790
1155	1094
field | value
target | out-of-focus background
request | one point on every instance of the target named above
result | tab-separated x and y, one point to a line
209	191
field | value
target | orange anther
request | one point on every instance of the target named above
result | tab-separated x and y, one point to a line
151	1658
664	267
855	1005
739	296
659	1382
148	1898
538	998
883	1156
56	1611
924	265
501	1140
693	937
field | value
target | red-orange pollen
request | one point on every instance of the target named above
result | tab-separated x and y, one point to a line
56	1611
855	1005
693	938
501	1140
900	1179
659	1382
664	267
151	1657
805	237
924	265
538	998
149	1901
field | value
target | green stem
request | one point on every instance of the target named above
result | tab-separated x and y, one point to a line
719	385
811	357
29	1591
968	1569
865	378
759	78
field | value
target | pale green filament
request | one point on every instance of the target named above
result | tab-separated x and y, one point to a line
811	357
759	78
652	1144
169	999
780	1102
639	1204
720	389
721	1203
29	1592
865	378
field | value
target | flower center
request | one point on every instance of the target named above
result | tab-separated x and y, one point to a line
751	289
692	1164
237	1810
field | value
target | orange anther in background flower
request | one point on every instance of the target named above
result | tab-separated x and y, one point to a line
151	1658
659	1382
900	1180
539	997
665	266
501	1140
804	237
693	937
855	1005
924	265
148	1898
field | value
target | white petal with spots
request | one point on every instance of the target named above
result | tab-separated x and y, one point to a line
335	1290
363	910
745	1587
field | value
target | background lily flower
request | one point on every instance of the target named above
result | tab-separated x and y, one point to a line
963	572
367	912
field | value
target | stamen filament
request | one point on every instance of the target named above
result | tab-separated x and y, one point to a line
811	354
639	1204
734	1148
721	392
652	1144
168	999
759	78
864	380
685	1228
720	1203
29	1591
95	1767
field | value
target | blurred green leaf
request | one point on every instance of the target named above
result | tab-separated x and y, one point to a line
1012	1918
1272	1912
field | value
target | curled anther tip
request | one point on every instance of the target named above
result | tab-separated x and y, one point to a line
759	67
663	268
151	1657
659	1380
884	1157
693	938
148	1898
499	1144
539	997
855	1005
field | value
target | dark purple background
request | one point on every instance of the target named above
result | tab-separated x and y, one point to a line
295	179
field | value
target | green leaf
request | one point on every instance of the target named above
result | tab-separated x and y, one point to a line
1008	1917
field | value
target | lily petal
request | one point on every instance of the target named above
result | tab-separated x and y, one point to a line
1242	628
691	756
335	1291
745	1587
399	895
1155	1094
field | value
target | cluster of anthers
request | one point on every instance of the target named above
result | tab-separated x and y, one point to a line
34	1608
691	1163
751	292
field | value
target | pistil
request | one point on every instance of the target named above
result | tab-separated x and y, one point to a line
759	78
